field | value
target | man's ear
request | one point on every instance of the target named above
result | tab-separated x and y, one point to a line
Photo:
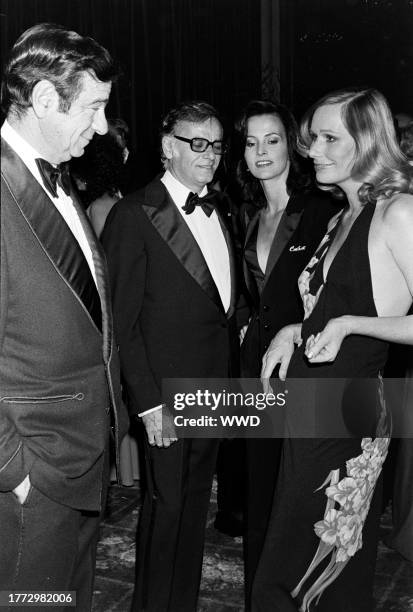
167	146
44	98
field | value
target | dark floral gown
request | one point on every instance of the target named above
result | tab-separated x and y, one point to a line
321	542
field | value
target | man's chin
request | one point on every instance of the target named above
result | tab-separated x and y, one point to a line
77	152
205	177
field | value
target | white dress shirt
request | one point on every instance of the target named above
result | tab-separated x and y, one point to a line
63	202
208	234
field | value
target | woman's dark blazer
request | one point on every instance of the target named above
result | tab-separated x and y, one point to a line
301	228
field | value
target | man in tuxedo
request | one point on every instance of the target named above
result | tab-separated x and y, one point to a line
59	375
172	274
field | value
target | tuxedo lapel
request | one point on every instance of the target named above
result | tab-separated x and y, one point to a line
248	276
167	220
251	225
287	226
52	232
101	275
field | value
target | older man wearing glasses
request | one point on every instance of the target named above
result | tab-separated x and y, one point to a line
173	274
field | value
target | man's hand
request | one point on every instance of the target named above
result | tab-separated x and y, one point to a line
22	490
160	428
326	344
280	352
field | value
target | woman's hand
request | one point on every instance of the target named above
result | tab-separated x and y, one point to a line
280	352
326	344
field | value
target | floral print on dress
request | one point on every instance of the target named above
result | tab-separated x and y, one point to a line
349	498
348	503
310	300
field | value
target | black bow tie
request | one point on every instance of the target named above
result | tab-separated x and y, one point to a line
206	203
52	176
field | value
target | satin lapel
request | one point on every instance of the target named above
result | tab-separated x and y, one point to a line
287	226
51	231
232	265
168	221
250	227
248	276
102	277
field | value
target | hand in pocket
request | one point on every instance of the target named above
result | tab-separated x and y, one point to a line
22	490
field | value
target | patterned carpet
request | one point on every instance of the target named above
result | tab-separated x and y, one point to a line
222	577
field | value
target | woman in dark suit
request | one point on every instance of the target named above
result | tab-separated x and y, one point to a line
283	220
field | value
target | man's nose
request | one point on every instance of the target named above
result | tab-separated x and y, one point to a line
100	124
209	152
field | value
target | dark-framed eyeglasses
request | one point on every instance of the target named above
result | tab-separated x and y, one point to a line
199	145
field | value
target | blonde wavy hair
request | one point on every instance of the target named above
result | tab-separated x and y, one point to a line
378	162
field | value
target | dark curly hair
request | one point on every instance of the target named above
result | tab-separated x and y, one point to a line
50	51
299	174
101	167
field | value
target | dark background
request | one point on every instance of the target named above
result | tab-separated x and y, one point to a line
229	51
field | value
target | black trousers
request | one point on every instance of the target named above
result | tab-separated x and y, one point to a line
171	529
230	471
291	542
262	465
45	546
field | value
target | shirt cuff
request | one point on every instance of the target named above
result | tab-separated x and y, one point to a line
141	414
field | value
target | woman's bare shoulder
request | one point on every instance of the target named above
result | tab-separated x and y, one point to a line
398	210
101	206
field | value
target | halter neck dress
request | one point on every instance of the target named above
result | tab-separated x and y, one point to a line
275	303
321	541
